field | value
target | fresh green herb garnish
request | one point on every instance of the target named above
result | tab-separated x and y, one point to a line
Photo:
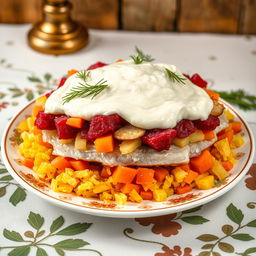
239	98
174	77
85	89
141	57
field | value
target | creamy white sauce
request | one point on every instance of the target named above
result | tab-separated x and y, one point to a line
142	94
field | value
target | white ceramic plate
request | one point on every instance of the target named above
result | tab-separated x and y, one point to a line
28	179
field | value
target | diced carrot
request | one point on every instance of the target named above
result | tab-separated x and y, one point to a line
202	163
183	189
209	135
119	60
190	177
36	109
146	195
127	188
228	134
46	144
76	122
28	162
227	165
60	163
104	144
124	174
72	72
184	167
160	173
79	165
106	172
213	95
23	126
145	176
236	126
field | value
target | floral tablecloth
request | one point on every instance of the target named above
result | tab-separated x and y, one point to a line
32	226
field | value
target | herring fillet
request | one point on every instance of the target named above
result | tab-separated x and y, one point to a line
144	156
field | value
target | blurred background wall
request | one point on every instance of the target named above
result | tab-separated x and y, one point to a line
214	16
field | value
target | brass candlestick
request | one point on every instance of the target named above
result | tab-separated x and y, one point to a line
57	33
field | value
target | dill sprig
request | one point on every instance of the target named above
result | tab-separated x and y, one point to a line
239	98
174	77
84	89
141	57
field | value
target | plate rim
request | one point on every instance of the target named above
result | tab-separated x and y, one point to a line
127	213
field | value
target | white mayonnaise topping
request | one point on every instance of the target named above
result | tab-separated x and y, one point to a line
142	94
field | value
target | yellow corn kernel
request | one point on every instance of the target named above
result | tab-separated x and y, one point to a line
224	148
105	196
168	182
159	195
46	171
88	185
120	198
237	141
84	174
205	182
179	174
134	196
229	115
60	187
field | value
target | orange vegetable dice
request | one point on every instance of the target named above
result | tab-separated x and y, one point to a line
227	165
76	122
190	177
23	126
106	172
202	163
209	135
36	109
213	95
124	174
28	162
72	72
79	165
183	189
60	163
127	188
160	173
184	167
236	126
146	195
227	134
145	176
104	144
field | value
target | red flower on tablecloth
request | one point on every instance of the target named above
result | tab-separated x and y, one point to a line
163	225
3	105
176	251
251	181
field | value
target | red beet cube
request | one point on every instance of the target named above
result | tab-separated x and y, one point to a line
84	130
209	124
184	128
101	125
97	65
198	80
159	139
64	131
62	81
45	121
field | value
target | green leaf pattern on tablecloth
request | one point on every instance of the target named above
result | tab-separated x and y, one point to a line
39	238
6	180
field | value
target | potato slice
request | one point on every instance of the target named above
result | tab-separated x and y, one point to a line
66	141
196	136
128	146
181	142
129	132
80	144
217	109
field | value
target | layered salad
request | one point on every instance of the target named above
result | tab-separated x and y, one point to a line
130	131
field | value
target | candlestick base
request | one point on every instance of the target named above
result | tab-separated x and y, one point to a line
57	33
